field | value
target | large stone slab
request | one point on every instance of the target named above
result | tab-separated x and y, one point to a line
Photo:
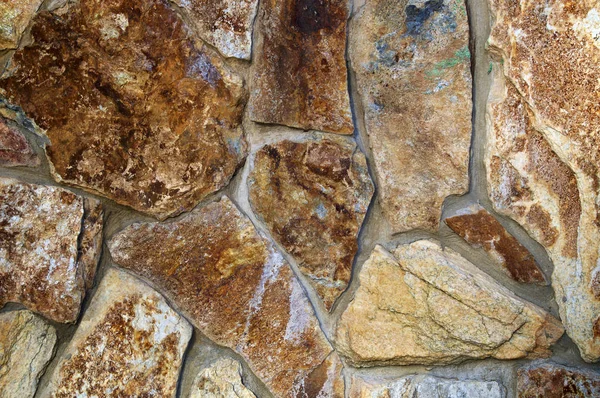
412	65
26	347
428	305
15	15
40	266
222	379
232	284
543	153
299	76
553	381
313	197
130	343
14	148
147	122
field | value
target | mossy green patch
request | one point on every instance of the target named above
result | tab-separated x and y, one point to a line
459	57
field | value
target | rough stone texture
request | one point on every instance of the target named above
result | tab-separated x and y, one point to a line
130	343
313	196
552	381
39	263
299	72
26	346
14	148
147	122
240	292
481	229
428	305
223	379
90	244
412	65
543	155
225	24
423	387
15	15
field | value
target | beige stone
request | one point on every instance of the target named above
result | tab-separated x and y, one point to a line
222	379
15	15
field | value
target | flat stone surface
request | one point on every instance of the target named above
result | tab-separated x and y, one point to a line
26	346
14	148
149	123
543	157
299	76
428	305
412	65
313	197
130	343
232	284
39	262
15	15
222	379
553	381
481	229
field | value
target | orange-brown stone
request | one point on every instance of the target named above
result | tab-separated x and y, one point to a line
553	381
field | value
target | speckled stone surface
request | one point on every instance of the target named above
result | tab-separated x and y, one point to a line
14	148
553	381
15	15
222	379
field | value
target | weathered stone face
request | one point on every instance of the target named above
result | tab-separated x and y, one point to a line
90	244
14	148
543	157
552	381
223	379
129	343
26	346
428	305
147	122
313	196
232	284
15	15
299	72
412	65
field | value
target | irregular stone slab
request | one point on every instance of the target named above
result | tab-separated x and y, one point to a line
428	305
299	74
26	347
543	150
129	343
147	122
412	65
233	286
223	379
481	229
14	148
553	381
39	262
15	15
313	197
225	24
90	245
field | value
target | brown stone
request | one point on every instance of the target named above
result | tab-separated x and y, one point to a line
299	72
90	243
481	229
313	196
553	381
147	122
15	15
14	148
231	283
412	65
39	263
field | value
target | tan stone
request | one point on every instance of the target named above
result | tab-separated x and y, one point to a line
552	381
222	379
429	305
14	148
26	346
412	65
313	196
15	15
232	284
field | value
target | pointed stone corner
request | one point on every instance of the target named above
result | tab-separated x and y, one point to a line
413	72
222	379
150	123
15	150
14	18
313	197
543	151
299	76
129	343
551	380
428	305
26	347
232	284
479	228
41	264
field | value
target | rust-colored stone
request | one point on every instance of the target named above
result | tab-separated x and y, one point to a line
134	110
313	196
299	74
231	283
553	381
15	15
14	148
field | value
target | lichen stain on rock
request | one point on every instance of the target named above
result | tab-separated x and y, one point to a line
14	148
553	381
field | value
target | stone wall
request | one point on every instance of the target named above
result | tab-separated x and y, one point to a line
299	198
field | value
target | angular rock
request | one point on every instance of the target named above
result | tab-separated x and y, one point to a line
481	229
553	381
231	283
147	122
223	379
412	65
15	15
39	262
313	196
428	305
14	148
90	245
130	343
543	149
225	24
26	347
299	72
